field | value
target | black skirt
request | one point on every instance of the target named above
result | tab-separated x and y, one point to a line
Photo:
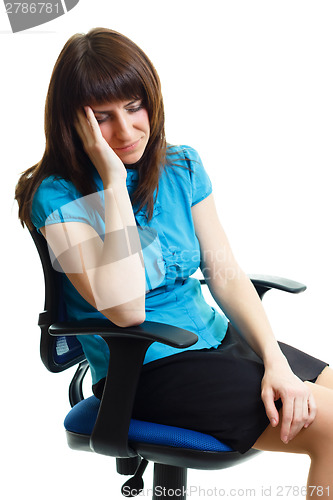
215	391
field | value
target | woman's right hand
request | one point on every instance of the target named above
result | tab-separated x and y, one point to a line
109	166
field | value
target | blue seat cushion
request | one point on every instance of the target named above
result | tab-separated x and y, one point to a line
81	420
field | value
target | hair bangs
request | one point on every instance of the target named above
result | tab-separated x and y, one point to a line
100	83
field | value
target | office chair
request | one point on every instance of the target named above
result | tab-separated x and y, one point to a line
106	426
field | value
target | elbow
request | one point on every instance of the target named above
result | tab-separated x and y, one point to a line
125	317
130	314
129	320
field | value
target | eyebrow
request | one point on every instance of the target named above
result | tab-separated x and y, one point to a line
107	112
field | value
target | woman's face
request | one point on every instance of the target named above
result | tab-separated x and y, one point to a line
125	127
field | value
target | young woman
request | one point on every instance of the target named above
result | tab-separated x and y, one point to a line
129	219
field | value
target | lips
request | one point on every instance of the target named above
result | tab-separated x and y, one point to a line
128	147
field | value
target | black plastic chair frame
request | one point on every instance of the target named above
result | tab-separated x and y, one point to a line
110	433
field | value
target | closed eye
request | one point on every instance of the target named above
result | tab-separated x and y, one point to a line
131	107
134	109
101	118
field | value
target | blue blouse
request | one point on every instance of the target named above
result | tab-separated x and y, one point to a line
170	249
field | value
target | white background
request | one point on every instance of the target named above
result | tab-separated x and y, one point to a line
249	85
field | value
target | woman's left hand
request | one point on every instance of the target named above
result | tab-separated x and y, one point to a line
299	407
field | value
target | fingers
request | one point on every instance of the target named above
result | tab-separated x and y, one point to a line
297	413
312	410
88	128
89	114
271	411
90	119
287	418
298	408
81	124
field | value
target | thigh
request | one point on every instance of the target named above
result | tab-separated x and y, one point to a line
325	378
213	392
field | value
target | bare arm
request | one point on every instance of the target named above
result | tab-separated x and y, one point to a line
110	275
235	294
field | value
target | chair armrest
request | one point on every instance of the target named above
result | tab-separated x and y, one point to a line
264	283
127	347
149	330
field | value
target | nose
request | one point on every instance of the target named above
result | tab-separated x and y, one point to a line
123	126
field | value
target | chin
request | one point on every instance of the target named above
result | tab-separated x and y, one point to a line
131	159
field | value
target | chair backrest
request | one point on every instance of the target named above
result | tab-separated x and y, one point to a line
57	353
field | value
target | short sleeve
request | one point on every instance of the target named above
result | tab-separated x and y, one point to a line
57	200
200	181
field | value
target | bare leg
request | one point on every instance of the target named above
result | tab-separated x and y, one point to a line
326	378
316	441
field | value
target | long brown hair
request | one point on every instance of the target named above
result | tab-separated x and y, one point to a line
99	66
